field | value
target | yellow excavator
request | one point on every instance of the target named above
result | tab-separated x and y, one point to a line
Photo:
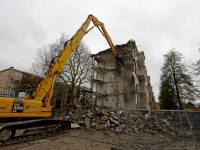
34	110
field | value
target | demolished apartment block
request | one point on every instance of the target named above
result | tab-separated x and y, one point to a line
122	86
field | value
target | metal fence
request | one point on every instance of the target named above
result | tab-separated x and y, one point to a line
154	129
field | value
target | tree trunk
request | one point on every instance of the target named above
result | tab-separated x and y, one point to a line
177	92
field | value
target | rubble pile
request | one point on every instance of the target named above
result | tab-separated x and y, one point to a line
107	119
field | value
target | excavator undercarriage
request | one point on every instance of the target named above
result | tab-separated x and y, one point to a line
19	131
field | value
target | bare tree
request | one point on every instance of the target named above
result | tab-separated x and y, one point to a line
46	54
76	72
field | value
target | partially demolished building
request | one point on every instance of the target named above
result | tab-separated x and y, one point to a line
116	85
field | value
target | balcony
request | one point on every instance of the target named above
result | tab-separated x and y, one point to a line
103	56
141	74
142	89
99	69
150	88
148	80
98	59
141	59
98	82
98	94
102	70
151	95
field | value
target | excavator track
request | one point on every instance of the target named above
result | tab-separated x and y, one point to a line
22	131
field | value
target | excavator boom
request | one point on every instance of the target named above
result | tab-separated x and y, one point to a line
44	89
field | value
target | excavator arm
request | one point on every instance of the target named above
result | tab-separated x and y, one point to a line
45	88
102	29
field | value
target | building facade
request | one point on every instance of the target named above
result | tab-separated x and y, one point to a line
63	97
9	78
126	86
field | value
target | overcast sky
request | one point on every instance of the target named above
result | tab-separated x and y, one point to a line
155	25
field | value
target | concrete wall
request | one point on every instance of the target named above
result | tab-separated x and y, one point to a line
123	86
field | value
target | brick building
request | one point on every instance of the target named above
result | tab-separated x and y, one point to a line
9	78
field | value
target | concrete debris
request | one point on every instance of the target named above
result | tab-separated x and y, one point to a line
104	112
108	119
87	122
105	118
114	121
108	123
93	125
90	115
117	130
75	125
141	126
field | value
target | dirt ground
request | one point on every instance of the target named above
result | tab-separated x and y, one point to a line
73	140
97	140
